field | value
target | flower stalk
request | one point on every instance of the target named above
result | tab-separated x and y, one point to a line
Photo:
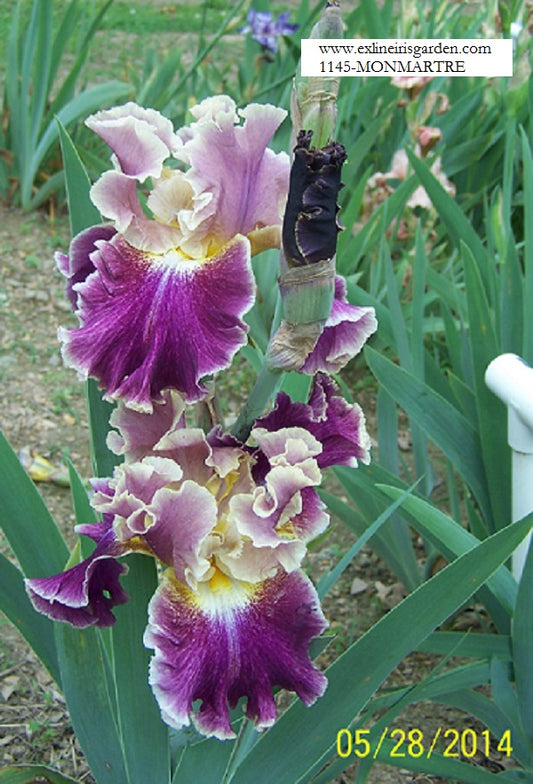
309	232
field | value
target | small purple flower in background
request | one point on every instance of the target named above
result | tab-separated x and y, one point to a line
265	29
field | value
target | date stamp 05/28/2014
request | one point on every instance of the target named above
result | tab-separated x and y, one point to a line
415	743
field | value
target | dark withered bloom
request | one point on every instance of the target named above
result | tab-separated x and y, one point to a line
310	225
320	330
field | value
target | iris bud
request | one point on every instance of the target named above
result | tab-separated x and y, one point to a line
313	102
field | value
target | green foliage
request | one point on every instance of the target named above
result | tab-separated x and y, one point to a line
452	290
145	18
28	774
35	95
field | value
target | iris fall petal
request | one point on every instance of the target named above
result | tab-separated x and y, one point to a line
84	594
230	641
151	322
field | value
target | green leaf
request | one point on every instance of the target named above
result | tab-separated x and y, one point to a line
204	762
491	413
83	510
452	540
85	686
80	106
27	524
372	232
527	161
473	645
309	734
41	68
144	734
437	686
441	421
457	224
328	579
503	692
100	410
82	212
393	541
37	630
32	774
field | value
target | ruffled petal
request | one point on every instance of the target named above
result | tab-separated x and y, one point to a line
232	640
240	186
278	514
84	595
151	322
156	511
128	497
116	198
141	139
185	517
339	426
139	433
346	331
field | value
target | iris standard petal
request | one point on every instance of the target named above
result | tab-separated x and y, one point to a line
116	197
150	322
141	139
232	640
240	186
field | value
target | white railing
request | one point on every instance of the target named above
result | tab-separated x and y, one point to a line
511	379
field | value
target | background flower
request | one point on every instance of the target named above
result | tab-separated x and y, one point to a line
266	29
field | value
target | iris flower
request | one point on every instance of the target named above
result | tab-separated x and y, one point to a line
233	615
266	29
161	289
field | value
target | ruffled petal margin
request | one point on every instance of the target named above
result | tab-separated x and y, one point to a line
337	425
346	331
141	139
231	640
149	323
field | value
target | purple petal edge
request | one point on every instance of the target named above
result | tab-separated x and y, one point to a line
84	594
339	426
224	648
346	331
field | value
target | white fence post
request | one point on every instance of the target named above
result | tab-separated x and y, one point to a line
511	379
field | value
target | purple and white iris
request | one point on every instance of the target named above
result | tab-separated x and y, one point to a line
161	291
234	614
